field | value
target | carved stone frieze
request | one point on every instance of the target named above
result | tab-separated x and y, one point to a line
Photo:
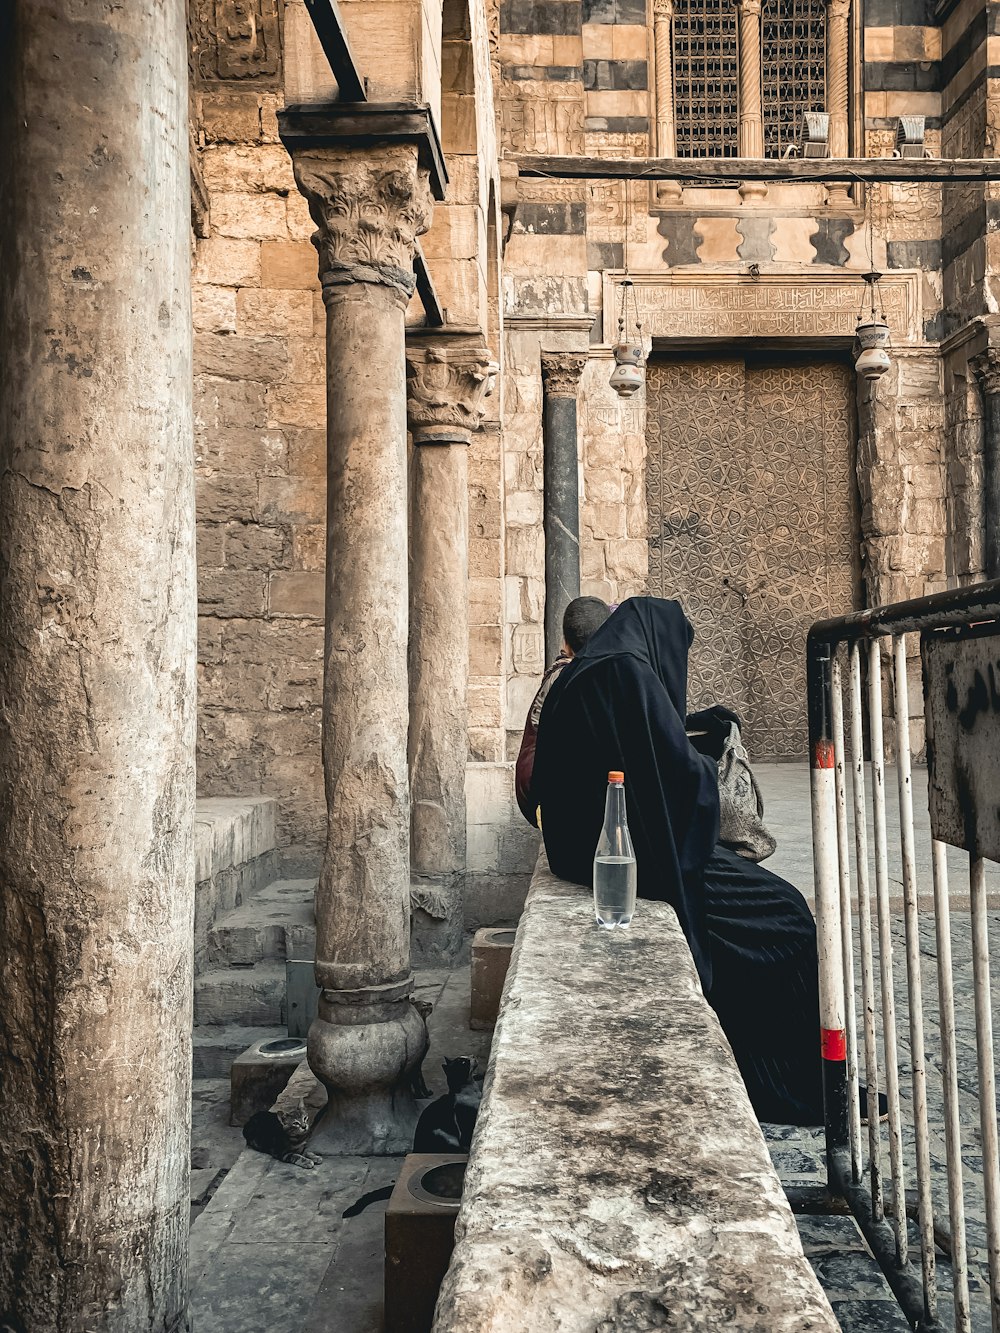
445	388
561	373
236	40
986	368
369	207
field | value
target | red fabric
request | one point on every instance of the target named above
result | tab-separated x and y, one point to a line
525	765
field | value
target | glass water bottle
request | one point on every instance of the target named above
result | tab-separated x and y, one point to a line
614	861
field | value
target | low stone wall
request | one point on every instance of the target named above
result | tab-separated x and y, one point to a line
235	855
618	1178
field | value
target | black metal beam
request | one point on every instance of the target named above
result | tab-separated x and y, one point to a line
427	291
329	25
710	170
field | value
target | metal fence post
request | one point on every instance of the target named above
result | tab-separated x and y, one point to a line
833	1036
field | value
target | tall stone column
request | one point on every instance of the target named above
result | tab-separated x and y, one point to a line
986	368
446	381
751	114
561	373
667	192
97	667
751	109
369	205
838	14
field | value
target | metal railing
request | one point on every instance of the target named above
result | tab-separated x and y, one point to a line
868	1171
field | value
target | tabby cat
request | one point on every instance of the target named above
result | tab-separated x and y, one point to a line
280	1135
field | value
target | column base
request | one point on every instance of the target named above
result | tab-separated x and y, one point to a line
752	190
668	194
364	1055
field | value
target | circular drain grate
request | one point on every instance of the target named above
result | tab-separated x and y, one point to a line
282	1046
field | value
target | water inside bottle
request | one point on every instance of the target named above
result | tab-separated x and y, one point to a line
614	890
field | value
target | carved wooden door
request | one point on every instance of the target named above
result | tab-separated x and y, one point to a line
753	526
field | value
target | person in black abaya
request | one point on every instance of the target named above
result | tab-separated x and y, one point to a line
621	704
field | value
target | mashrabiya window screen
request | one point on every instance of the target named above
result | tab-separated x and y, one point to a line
706	78
793	68
706	73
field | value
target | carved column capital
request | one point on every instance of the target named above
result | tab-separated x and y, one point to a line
369	208
561	373
445	388
751	8
838	9
986	368
663	10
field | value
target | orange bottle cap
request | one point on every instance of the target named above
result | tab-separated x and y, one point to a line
616	777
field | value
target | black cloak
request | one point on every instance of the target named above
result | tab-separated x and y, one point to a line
621	704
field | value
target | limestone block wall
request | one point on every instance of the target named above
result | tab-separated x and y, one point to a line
260	458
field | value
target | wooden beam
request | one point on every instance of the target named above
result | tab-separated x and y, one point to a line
733	170
427	291
329	25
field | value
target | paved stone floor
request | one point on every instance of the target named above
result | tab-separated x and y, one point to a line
271	1253
260	1265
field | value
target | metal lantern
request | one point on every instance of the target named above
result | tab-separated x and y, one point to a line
630	371
871	359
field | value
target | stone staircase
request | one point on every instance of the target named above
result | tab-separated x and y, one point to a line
240	995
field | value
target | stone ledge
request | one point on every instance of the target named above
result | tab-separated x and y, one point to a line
232	830
235	855
618	1178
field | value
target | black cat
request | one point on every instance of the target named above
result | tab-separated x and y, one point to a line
280	1136
445	1126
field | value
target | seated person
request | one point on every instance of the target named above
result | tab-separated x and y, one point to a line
621	704
580	619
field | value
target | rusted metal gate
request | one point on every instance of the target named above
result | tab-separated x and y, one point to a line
751	493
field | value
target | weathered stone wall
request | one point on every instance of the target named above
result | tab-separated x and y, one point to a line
261	460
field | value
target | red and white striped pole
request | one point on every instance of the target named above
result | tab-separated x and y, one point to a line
833	1037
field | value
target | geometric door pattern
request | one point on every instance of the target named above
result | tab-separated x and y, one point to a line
753	526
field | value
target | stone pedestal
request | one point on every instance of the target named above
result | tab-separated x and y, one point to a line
369	204
561	373
986	368
446	379
97	668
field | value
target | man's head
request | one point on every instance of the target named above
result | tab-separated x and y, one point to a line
580	619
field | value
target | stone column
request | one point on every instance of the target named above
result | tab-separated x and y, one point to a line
97	667
446	381
751	112
561	373
986	368
838	14
667	192
369	205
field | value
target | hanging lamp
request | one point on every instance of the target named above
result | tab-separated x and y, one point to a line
872	333
629	373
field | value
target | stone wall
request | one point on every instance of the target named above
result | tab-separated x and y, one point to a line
260	456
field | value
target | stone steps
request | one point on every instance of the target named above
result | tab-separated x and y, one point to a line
278	922
242	996
216	1047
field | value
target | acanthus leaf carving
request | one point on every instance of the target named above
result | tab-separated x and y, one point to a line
986	368
445	389
561	373
369	211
